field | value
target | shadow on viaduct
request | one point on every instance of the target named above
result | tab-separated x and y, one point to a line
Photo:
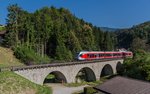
68	73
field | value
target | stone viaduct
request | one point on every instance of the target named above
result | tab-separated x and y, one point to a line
68	71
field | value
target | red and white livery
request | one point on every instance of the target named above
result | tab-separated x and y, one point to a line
93	55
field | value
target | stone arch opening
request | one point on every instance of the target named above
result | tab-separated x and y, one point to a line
55	77
106	71
85	74
119	67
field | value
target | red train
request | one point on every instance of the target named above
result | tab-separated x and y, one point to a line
93	55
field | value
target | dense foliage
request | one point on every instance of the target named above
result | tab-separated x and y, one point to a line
29	56
137	37
139	66
54	33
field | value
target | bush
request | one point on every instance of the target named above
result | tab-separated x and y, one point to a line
89	90
139	66
29	56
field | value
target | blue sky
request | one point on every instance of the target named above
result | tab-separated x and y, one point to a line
103	13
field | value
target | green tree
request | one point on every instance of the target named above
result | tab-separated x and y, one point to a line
138	43
73	43
12	25
53	32
108	43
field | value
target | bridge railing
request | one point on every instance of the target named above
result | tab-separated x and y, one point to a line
15	68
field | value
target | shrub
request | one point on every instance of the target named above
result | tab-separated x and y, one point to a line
29	56
89	90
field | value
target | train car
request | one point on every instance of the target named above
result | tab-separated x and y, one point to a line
127	54
88	55
94	55
117	54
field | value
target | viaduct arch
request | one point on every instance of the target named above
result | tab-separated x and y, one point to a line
87	74
69	72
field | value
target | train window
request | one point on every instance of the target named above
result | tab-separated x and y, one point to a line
118	54
100	55
108	54
95	55
80	55
88	55
92	55
114	54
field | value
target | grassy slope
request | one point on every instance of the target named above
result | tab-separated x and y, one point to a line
7	58
11	83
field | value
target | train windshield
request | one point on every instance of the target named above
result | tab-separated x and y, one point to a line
80	55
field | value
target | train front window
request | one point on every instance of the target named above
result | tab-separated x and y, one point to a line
80	55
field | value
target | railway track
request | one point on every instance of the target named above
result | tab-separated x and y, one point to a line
15	68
